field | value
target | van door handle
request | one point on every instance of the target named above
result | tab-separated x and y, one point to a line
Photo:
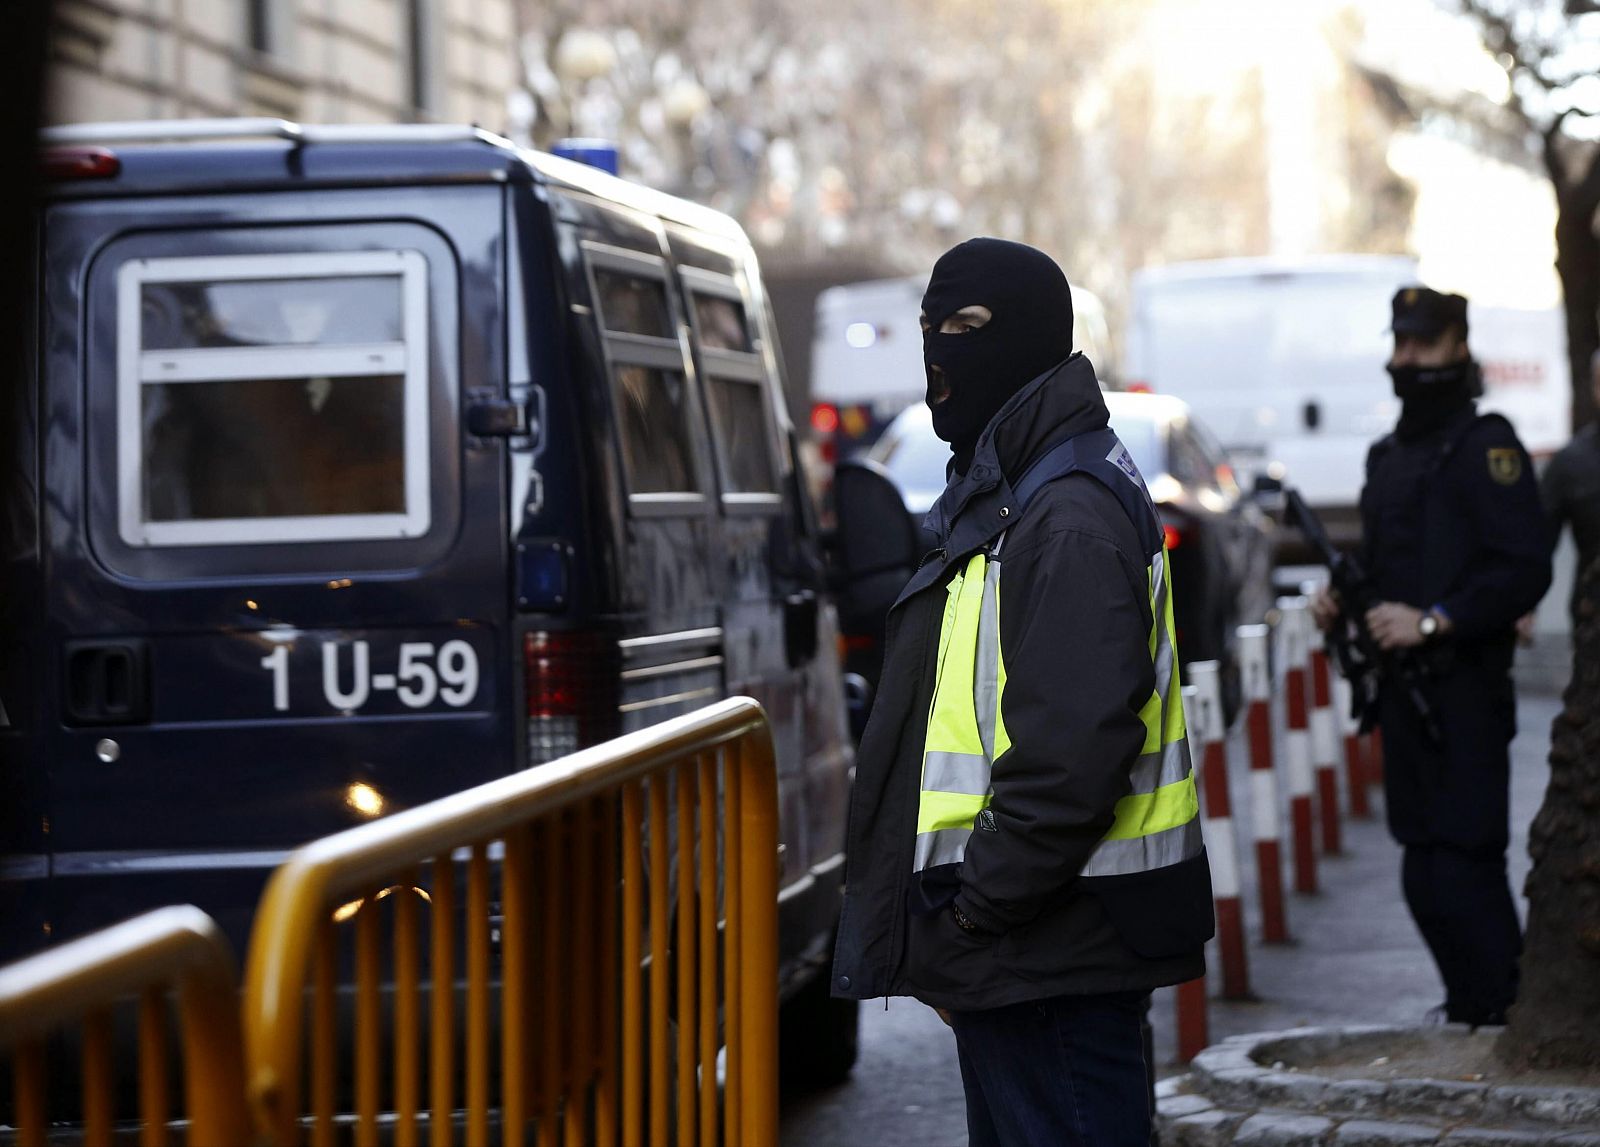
107	683
800	627
1312	415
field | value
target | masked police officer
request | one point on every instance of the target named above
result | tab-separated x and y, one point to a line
1457	546
1024	845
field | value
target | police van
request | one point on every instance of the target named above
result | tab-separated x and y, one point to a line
354	466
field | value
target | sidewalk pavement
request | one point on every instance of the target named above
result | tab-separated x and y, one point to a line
1356	958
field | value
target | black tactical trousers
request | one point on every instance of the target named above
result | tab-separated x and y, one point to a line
1448	806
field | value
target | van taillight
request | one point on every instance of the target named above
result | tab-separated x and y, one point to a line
60	163
571	689
824	418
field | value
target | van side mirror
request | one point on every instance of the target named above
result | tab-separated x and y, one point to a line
875	546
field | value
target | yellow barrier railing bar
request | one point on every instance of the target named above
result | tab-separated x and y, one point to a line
77	984
586	1050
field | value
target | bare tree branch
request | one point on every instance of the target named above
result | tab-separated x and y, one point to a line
1500	37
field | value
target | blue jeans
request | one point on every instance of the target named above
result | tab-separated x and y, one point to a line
1063	1072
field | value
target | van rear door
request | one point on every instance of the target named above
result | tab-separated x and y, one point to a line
277	565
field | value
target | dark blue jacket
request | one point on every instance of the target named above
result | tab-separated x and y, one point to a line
1453	519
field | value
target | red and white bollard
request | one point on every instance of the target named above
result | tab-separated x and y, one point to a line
1266	827
1374	770
1354	770
1193	1022
1325	750
1294	622
1207	729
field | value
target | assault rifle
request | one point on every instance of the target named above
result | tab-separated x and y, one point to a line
1350	642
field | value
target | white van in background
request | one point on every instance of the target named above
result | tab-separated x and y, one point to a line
1284	359
866	356
1526	373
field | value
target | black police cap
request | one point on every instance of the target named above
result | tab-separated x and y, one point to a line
1426	312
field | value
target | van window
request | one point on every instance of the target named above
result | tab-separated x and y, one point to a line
719	322
655	430
736	388
655	405
632	304
272	398
739	417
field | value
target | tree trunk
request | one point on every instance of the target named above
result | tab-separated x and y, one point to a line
1578	264
1553	1021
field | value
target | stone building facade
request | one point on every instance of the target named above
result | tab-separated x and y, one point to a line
317	61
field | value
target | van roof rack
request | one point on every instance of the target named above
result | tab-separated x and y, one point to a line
187	130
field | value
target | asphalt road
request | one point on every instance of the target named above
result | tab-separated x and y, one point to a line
1355	958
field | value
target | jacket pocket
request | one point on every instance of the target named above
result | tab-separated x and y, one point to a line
1160	914
943	957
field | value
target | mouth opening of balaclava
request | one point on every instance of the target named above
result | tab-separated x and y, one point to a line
978	372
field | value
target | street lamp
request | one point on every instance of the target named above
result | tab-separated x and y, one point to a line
584	55
684	102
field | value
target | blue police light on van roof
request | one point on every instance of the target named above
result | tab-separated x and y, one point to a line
601	153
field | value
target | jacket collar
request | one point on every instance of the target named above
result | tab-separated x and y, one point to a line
1062	402
978	506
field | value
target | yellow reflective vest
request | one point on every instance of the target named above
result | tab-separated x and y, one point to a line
1157	824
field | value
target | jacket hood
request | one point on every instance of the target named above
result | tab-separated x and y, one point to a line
1062	402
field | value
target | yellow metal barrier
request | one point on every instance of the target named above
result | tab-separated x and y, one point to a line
604	941
77	985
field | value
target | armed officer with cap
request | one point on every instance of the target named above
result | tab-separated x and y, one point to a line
1024	845
1456	545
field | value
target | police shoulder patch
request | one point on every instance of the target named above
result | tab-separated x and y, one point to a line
1505	464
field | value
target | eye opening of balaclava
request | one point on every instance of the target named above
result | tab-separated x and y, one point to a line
1029	332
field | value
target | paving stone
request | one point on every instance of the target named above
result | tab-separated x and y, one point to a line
1354	1096
1213	1128
1569	1107
1235	1087
1494	1137
1225	1057
1283	1129
1288	1089
1442	1098
1379	1133
1177	1106
1172	1085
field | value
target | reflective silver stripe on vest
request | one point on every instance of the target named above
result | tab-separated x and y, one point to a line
986	674
1167	766
1142	853
955	773
1163	658
946	846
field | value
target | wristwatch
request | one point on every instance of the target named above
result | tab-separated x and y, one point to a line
1428	625
966	923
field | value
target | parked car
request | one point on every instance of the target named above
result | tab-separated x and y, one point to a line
355	466
1218	538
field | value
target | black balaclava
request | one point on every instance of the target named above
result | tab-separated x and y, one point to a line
1430	396
1031	331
